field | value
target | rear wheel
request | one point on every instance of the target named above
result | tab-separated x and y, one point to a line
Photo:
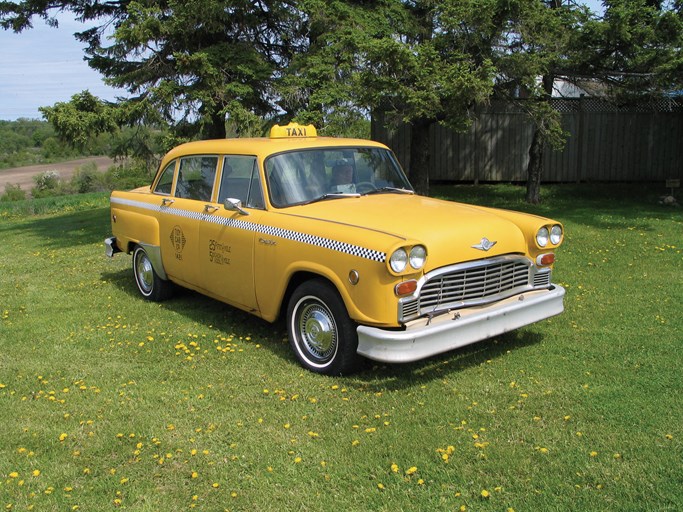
150	285
321	333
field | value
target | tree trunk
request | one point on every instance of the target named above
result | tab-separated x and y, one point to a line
214	127
419	155
535	168
537	148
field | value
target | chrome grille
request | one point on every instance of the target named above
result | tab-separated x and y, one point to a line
473	283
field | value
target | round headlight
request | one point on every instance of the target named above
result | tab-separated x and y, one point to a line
542	237
418	255
555	234
398	260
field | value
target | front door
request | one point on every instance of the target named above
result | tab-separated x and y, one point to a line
227	237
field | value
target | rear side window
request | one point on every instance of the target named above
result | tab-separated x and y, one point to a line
165	183
196	175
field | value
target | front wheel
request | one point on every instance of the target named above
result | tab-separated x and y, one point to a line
150	285
321	333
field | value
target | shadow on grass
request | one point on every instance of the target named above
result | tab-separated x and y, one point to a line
372	376
65	230
207	311
602	206
395	377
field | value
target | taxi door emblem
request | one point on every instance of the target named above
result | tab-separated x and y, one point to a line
484	245
178	239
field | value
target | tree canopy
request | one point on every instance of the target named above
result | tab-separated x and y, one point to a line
206	67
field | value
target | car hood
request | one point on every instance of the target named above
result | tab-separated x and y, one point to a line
449	230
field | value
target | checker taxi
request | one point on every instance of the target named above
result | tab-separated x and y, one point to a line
329	234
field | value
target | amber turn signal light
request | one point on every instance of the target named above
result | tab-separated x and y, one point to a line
406	288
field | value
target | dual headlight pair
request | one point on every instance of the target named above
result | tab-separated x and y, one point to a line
552	235
401	258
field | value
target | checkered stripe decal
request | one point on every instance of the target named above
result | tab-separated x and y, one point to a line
288	234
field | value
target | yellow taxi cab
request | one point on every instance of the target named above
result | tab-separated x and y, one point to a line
329	233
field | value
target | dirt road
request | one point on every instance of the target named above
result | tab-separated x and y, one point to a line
23	176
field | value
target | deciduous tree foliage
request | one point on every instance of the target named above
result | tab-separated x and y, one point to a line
196	64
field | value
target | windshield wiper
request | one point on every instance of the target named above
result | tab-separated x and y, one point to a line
381	190
332	195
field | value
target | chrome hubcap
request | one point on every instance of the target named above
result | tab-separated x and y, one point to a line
144	271
318	331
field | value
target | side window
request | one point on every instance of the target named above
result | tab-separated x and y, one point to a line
241	181
195	177
165	183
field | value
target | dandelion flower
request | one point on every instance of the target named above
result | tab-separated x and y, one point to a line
380	487
63	436
485	494
394	468
14	474
411	470
36	472
594	454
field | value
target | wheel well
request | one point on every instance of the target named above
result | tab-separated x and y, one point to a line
294	282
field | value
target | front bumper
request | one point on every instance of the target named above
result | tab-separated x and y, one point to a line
423	338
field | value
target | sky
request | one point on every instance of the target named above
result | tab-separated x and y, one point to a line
44	65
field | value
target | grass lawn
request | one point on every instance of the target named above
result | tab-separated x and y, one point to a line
111	402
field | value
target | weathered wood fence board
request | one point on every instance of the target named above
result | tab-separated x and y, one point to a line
605	143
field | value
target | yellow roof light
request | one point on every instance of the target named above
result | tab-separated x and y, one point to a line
292	130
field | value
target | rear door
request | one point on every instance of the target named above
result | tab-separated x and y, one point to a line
180	216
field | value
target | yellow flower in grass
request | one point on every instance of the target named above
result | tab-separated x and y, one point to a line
485	494
63	436
411	470
36	472
394	468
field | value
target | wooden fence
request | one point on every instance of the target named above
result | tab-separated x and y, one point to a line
606	143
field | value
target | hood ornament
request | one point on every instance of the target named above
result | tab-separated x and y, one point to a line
484	245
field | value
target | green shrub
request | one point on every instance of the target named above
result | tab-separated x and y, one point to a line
46	184
13	193
87	179
127	176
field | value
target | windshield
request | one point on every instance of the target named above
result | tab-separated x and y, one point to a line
309	175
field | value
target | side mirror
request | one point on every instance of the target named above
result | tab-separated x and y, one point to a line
234	205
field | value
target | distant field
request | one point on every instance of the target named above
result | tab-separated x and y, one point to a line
23	176
112	402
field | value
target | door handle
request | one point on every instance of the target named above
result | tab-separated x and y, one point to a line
209	208
166	201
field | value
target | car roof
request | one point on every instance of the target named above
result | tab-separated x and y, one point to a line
263	146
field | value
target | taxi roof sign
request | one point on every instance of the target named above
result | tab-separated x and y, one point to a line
292	130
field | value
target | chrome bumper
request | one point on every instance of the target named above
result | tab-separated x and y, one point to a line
110	247
423	338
